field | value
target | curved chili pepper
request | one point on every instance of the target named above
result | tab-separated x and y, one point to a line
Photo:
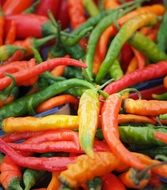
10	174
50	122
147	73
24	75
2	22
145	107
54	183
109	115
17	56
111	182
147	47
42	163
27	103
115	70
76	13
57	101
82	170
13	7
123	35
130	179
160	96
45	5
11	35
88	111
91	7
110	31
30	177
133	64
140	58
33	25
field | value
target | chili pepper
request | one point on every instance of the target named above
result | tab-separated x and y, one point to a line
124	34
44	6
12	8
147	73
35	99
147	47
38	69
10	174
42	163
1	158
1	27
130	179
140	58
115	70
96	61
91	22
139	136
145	107
110	31
33	25
111	182
82	169
76	13
17	56
11	35
30	177
163	116
54	183
7	50
88	112
160	96
39	124
109	115
57	101
91	7
51	146
127	118
58	71
161	137
165	81
147	93
111	4
133	64
13	137
162	37
95	35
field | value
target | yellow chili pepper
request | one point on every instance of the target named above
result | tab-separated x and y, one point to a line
86	168
51	122
88	114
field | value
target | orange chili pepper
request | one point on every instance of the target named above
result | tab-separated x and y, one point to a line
140	58
145	107
110	31
97	61
58	71
54	183
165	82
108	4
11	35
57	101
132	65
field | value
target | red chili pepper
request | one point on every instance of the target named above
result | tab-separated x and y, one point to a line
45	5
147	93
140	58
42	163
109	115
10	174
111	182
147	73
17	56
11	35
30	25
16	7
35	71
2	22
63	15
161	136
76	13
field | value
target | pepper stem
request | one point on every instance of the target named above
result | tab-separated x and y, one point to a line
39	42
131	90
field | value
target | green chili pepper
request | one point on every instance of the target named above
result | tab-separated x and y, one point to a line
91	7
147	47
115	70
88	113
125	33
30	177
163	116
95	35
160	96
162	34
141	137
22	105
76	91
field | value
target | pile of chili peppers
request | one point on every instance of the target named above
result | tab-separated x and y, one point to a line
104	60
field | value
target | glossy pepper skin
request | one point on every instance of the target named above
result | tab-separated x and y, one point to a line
88	113
82	170
145	107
